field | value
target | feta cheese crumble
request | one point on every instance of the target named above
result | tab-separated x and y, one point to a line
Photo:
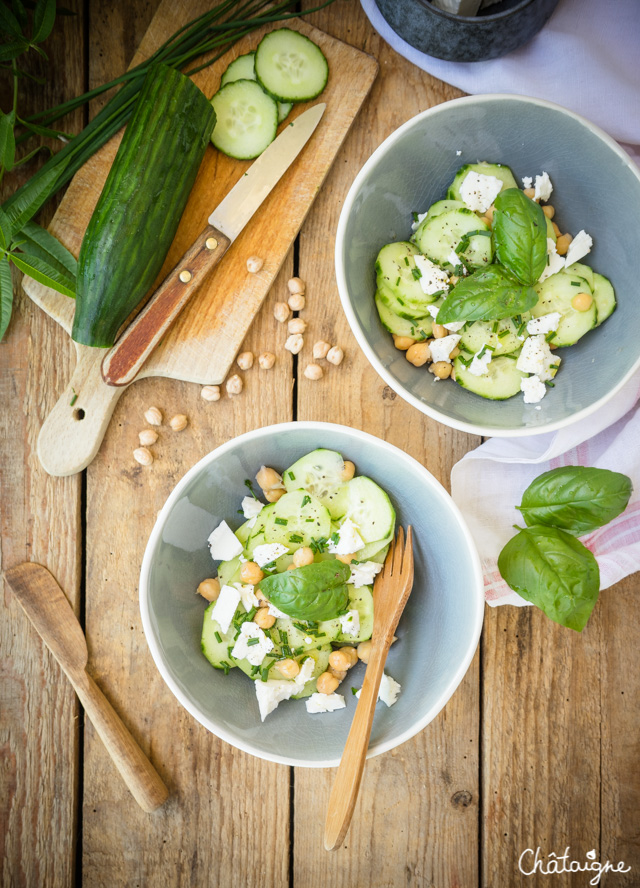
255	652
479	191
527	181
544	324
275	612
453	326
349	540
223	543
247	596
536	358
543	187
325	703
363	574
434	279
479	366
534	390
268	552
441	348
555	262
578	248
274	691
416	223
350	623
389	690
225	607
251	508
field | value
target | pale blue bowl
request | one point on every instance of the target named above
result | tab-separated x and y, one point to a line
596	187
438	632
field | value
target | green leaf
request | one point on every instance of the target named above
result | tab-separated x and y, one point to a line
31	198
487	294
21	13
12	49
43	130
31	154
520	235
7	140
10	24
6	295
317	591
554	571
40	242
43	18
5	230
578	499
45	273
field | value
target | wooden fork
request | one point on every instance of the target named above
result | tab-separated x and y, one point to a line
390	593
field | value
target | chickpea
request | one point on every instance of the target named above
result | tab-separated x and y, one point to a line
210	392
549	211
530	192
335	355
320	350
272	496
582	301
441	369
302	557
254	264
234	385
263	618
294	343
250	572
266	360
296	286
291	566
489	214
337	673
209	589
364	651
297	325
563	243
179	422
245	360
556	229
143	456
341	660
486	220
262	600
402	342
349	470
153	416
454	353
268	478
346	559
281	312
288	668
313	372
453	373
439	332
296	302
327	683
418	354
147	437
351	653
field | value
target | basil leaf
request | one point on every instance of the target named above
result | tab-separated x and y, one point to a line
6	295
45	273
578	499
314	592
554	571
487	294
520	235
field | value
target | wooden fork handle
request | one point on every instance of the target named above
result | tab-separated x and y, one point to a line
344	794
124	361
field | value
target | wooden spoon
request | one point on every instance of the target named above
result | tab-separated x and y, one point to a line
390	594
45	604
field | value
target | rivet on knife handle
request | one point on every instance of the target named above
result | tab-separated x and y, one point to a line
124	361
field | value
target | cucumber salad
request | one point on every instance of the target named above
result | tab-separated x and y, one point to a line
292	603
488	287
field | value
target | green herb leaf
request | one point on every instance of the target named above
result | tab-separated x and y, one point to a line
5	230
487	294
31	197
6	295
37	241
520	235
10	24
12	49
578	499
44	16
313	592
44	273
40	130
554	571
7	141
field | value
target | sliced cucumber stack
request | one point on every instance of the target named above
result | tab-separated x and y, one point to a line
418	328
486	169
360	600
455	231
604	296
246	119
501	381
556	294
243	68
290	66
298	517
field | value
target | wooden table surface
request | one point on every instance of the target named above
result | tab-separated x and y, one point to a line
539	745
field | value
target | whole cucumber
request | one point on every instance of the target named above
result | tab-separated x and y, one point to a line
138	212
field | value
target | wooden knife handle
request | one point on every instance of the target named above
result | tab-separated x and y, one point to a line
123	362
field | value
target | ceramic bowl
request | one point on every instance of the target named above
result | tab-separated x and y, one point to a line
438	632
596	187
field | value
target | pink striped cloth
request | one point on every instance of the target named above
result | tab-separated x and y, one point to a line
489	482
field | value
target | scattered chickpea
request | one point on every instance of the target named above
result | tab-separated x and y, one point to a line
296	302
147	437
453	373
326	683
262	601
288	668
179	422
209	589
153	416
439	332
486	220
294	343
346	559
302	556
250	572
291	566
340	660
254	264
337	673
349	470
143	456
441	369
455	352
335	355
313	371
281	312
549	211
245	360
563	243
351	653
268	478
320	350
296	286
530	192
489	214
272	496
266	360
582	301
297	325
418	354
364	651
234	385
556	228
263	618
402	342
210	393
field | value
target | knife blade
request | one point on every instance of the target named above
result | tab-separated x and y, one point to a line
123	362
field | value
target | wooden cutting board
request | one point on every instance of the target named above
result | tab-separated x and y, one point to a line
203	342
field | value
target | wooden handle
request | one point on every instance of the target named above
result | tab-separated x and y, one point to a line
73	431
124	361
137	771
344	793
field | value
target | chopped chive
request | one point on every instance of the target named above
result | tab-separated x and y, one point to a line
301	628
320	634
335	538
406	260
521	328
74	397
417	274
305	499
354	691
414	216
254	670
253	641
283	521
291	476
264	673
295	538
495	327
502	334
230	650
247	483
226	667
550	384
575	283
437	293
550	336
218	637
554	366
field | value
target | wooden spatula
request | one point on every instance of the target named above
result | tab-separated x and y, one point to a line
391	591
47	607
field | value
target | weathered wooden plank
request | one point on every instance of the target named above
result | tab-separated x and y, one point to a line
40	522
416	821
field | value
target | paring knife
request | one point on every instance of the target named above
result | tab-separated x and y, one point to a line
123	362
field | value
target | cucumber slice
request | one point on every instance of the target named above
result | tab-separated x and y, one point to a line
319	473
420	328
605	297
398	305
550	230
321	657
443	206
294	524
256	537
395	267
555	294
487	169
243	68
290	66
439	236
328	630
229	572
369	507
583	271
504	338
374	548
284	109
246	119
216	652
244	532
501	382
361	600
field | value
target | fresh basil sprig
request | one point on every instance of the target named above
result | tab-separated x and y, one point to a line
490	293
579	499
520	235
316	591
554	571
